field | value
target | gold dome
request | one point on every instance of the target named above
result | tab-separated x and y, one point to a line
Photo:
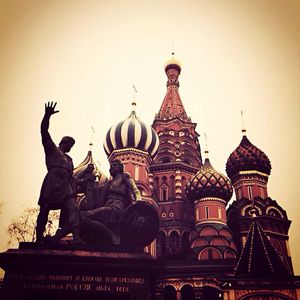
173	63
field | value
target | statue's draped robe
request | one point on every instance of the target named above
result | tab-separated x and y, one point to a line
58	183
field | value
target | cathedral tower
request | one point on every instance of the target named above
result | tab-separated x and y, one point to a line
248	167
211	239
135	144
178	159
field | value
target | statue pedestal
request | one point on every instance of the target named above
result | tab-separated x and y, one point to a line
33	273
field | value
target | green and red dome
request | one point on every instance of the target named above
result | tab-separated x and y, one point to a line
209	183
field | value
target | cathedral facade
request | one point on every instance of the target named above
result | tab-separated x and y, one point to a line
207	249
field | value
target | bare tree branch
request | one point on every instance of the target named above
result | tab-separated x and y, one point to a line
22	228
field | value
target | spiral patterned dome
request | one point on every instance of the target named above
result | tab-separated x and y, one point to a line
247	157
209	183
131	133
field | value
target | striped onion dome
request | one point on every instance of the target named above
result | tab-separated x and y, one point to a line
80	169
131	133
209	183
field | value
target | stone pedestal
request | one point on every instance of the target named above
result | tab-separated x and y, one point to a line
44	274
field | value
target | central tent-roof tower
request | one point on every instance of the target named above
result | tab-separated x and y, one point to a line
172	106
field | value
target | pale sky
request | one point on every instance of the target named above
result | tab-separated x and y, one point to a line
86	55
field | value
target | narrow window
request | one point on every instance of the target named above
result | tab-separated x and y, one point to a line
244	239
262	194
239	193
206	211
250	192
219	212
136	172
164	195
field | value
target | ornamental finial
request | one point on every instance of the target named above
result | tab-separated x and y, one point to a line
92	138
133	103
206	152
243	123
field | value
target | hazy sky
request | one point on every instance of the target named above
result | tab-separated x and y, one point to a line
87	55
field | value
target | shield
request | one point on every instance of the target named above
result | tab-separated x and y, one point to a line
139	224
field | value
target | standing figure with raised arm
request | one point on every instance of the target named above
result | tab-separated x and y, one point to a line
58	189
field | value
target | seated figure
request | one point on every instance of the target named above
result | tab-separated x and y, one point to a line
115	196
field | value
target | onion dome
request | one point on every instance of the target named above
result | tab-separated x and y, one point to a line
131	133
209	183
80	169
247	157
173	64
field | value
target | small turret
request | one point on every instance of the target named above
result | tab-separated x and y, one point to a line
210	190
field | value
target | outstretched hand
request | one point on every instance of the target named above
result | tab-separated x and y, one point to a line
50	108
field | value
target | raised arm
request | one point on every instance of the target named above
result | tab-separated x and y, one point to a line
46	138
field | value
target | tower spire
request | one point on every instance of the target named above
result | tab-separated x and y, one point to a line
172	106
92	138
243	123
133	103
206	151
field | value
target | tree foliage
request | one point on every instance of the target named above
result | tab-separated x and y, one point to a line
22	228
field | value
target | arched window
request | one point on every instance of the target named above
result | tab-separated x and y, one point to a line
165	160
174	239
169	293
187	292
164	193
164	190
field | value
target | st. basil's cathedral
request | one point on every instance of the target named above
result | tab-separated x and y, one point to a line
206	248
201	248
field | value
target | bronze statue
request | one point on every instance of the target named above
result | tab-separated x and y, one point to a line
58	189
86	184
116	197
109	214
